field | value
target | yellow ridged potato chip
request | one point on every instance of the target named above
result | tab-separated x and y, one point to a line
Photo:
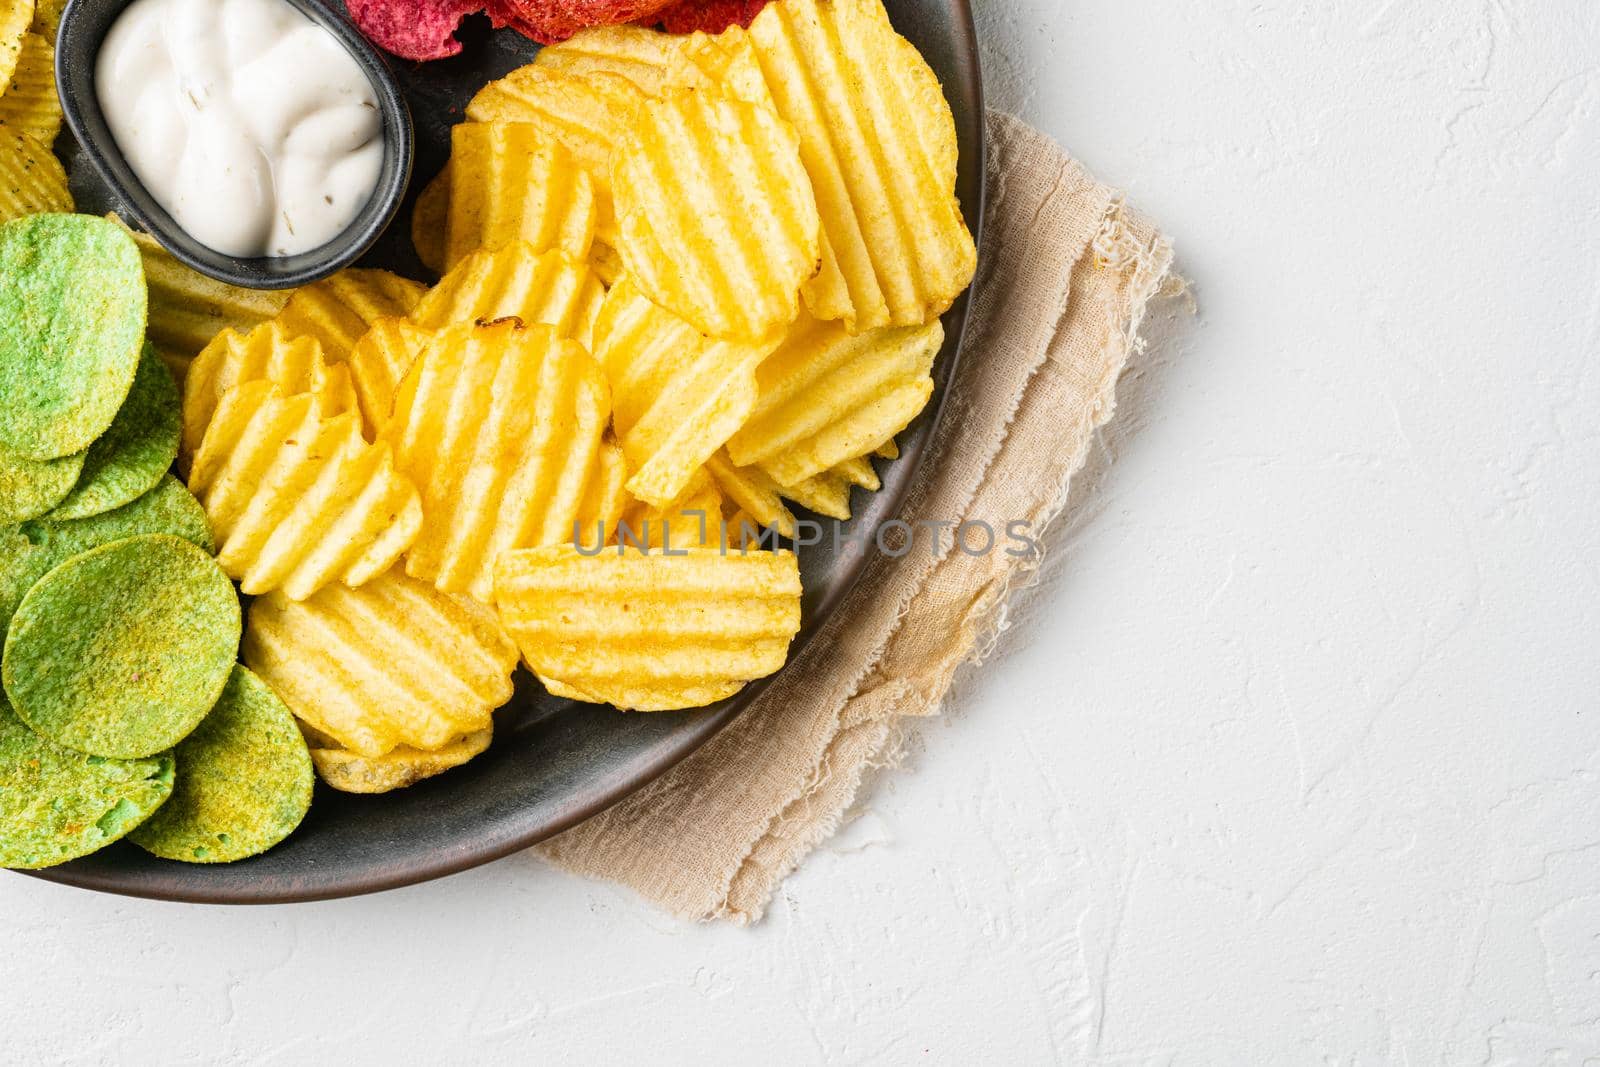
188	310
827	396
393	663
827	494
295	365
726	64
647	631
351	772
586	114
500	426
753	492
890	449
29	103
692	521
509	182
338	310
428	218
716	217
15	18
878	143
606	499
516	282
297	500
379	362
637	54
676	396
47	17
32	181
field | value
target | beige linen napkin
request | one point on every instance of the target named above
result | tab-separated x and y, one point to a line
1067	271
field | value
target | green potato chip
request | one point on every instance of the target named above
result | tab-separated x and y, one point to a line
246	780
121	650
31	487
136	451
57	805
30	551
72	311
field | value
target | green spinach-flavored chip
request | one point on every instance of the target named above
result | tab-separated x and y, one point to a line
72	316
121	651
137	450
30	551
57	805
245	784
31	487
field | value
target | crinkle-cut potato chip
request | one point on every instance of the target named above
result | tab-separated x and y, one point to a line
586	114
677	396
753	492
29	488
510	182
15	18
516	282
30	551
827	396
350	772
245	780
57	804
296	499
72	311
827	494
379	362
890	449
428	219
131	457
47	17
638	54
715	213
268	353
339	309
606	499
188	310
29	104
500	427
878	145
32	181
692	521
647	631
121	651
725	63
392	663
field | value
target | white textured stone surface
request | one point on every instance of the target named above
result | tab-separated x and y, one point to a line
1294	759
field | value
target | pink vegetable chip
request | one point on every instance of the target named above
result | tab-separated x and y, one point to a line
412	29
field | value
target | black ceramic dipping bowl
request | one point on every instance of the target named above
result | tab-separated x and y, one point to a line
84	25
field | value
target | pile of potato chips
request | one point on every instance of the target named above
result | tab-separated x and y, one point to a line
31	178
687	283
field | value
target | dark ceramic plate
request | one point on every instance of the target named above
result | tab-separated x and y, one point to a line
554	763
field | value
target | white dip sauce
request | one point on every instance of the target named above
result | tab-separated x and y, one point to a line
247	121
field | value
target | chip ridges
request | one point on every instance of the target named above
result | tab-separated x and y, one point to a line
715	213
648	631
188	310
510	182
896	250
32	181
515	282
337	310
827	396
500	426
29	104
350	772
377	365
267	353
15	17
392	663
677	396
297	500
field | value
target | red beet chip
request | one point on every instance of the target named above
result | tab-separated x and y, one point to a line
412	29
709	16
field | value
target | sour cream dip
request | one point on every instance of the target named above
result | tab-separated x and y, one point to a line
246	120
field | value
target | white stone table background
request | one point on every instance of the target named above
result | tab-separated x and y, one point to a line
1295	757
